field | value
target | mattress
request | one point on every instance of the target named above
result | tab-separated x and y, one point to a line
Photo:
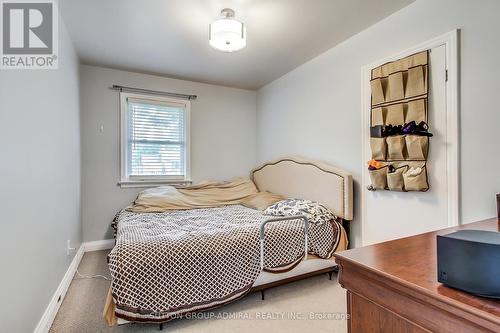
165	265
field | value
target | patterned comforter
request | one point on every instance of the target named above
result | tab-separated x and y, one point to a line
165	265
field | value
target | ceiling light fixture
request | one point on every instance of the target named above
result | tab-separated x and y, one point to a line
227	34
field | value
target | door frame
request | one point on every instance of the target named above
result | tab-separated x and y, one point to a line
450	40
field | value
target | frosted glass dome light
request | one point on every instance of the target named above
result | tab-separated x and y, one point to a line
227	34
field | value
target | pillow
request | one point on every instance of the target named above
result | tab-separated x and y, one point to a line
261	200
314	211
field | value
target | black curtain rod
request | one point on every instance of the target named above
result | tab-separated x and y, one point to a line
153	92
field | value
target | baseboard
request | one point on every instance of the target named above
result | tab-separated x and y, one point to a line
104	244
50	312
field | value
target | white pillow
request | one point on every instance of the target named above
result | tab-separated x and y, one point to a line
314	211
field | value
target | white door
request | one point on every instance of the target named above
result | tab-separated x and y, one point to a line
389	215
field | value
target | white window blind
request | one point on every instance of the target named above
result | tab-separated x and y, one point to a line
156	140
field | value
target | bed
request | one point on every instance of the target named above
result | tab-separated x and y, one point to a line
167	264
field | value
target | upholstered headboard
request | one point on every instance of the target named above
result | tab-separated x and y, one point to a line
297	177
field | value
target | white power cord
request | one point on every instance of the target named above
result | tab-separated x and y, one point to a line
92	276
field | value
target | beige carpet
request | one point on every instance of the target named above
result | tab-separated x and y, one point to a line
81	310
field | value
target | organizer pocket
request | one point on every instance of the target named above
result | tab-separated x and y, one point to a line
395	115
378	116
416	111
395	180
395	147
415	84
379	178
379	148
396	88
378	95
417	147
416	182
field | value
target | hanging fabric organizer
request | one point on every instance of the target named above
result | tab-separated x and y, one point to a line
399	137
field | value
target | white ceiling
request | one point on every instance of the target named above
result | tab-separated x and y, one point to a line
170	37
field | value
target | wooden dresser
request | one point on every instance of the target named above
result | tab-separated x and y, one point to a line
392	287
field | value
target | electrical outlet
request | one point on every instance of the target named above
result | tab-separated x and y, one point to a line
69	248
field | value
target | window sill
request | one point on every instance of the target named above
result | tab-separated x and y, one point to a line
146	184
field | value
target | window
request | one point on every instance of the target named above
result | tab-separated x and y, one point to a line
154	140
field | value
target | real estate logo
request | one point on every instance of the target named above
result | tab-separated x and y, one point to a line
29	38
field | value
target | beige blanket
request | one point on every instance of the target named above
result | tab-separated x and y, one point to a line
239	191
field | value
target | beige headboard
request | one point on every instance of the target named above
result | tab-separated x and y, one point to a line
297	177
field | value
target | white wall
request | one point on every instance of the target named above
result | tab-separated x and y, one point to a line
40	186
223	142
315	110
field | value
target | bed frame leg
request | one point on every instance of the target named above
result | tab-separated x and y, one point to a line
262	294
334	270
161	326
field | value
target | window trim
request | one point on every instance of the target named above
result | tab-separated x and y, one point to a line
151	181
